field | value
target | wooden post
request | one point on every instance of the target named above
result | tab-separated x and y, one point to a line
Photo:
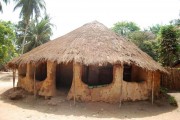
121	82
153	88
74	92
74	80
120	99
34	81
14	77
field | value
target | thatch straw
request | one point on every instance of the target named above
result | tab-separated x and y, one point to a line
91	44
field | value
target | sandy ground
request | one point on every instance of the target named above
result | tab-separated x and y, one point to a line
59	108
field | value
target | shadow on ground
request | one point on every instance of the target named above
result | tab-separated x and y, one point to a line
60	106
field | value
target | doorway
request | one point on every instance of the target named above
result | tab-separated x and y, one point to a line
64	77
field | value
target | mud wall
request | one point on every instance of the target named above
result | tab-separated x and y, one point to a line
26	81
131	91
46	87
82	92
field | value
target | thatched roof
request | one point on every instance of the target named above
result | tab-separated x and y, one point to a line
91	44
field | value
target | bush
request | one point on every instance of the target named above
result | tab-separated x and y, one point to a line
171	100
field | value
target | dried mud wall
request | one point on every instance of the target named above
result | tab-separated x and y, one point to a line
46	87
25	80
82	92
118	89
131	91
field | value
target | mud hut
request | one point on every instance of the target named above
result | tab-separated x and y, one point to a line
94	63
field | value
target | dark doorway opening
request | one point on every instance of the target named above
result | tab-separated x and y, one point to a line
41	71
64	76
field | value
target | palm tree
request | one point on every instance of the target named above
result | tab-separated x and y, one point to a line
29	10
5	1
19	31
38	33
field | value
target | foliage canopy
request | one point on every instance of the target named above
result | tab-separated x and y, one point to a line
7	40
169	51
124	28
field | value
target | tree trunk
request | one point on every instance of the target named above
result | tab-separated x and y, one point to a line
24	38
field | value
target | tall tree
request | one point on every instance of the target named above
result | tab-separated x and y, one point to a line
155	29
168	45
7	46
5	1
138	37
38	33
29	10
145	40
124	28
175	22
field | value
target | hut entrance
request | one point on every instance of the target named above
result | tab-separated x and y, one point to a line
64	77
95	76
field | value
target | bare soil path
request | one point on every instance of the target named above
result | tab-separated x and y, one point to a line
59	108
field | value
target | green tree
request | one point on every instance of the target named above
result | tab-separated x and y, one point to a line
37	33
175	22
145	40
155	29
124	28
138	37
7	46
19	30
29	10
5	1
151	48
169	52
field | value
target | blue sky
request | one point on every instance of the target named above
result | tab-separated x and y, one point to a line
70	14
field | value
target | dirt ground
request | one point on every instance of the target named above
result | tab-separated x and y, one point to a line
58	108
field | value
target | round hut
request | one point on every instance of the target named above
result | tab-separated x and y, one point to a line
93	63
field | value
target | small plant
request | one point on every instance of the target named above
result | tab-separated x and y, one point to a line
171	100
163	90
